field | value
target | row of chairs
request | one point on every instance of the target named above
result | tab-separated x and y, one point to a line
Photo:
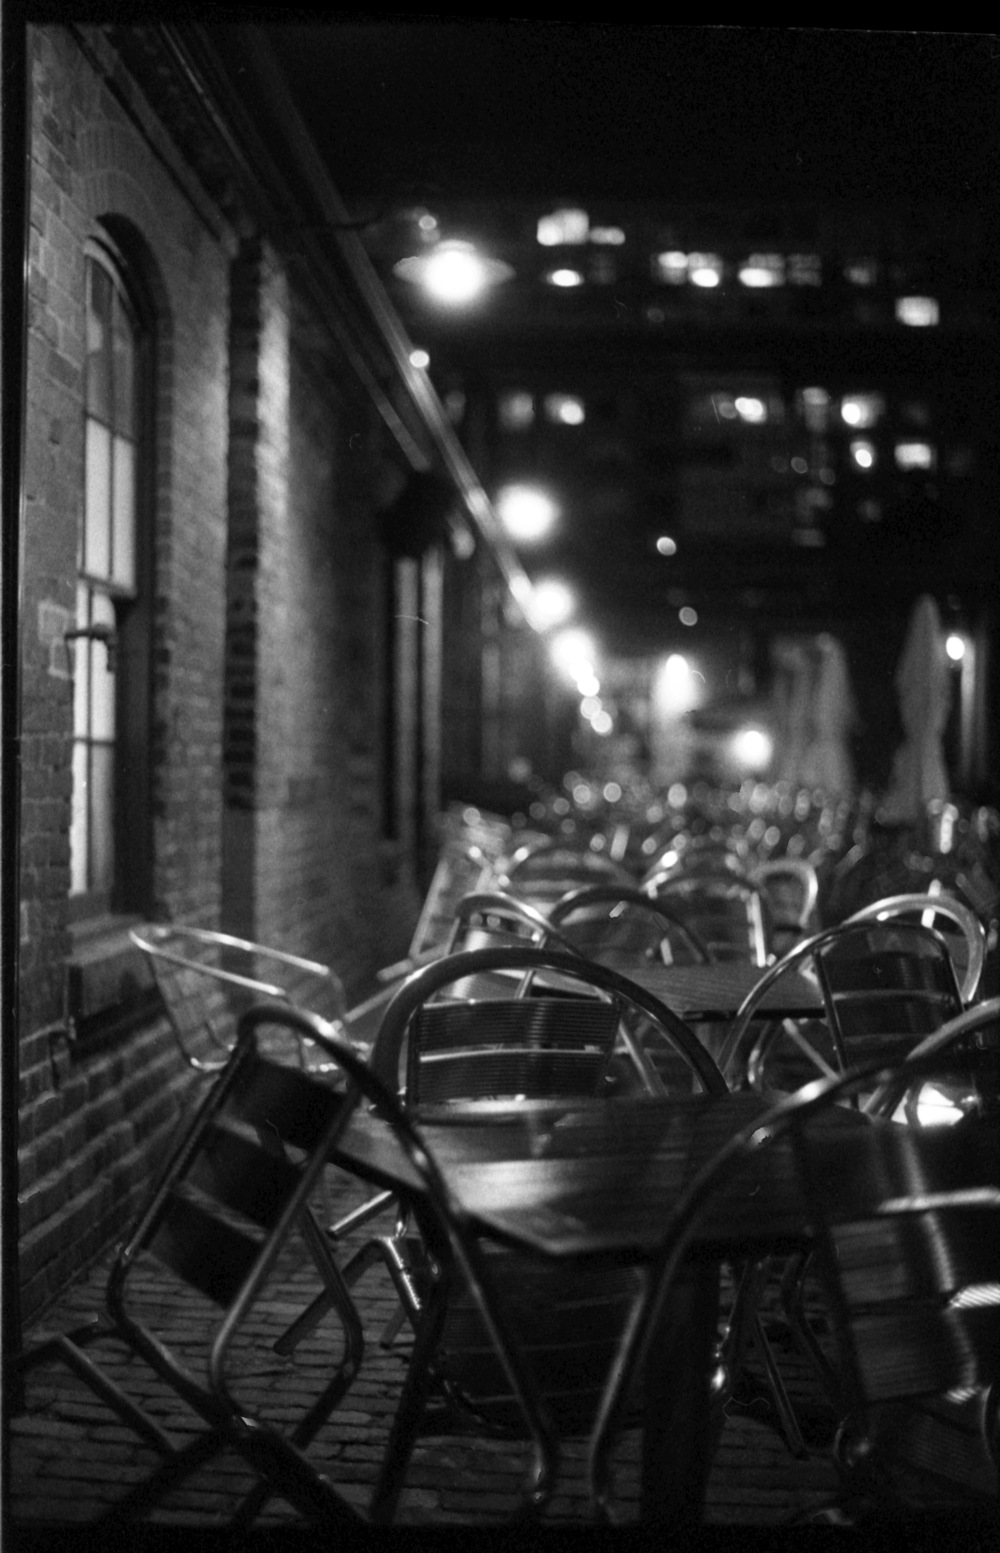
243	1180
460	1028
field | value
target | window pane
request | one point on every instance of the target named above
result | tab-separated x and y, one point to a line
123	514
98	341
101	801
97	501
78	822
79	651
102	679
124	370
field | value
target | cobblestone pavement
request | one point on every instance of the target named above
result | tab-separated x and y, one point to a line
71	1459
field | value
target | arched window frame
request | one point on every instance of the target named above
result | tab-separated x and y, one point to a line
111	863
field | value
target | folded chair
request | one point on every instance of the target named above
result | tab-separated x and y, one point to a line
215	1231
906	1226
207	979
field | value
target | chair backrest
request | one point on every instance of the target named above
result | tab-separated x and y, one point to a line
547	869
958	924
906	1226
545	972
207	979
615	923
885	985
486	917
517	1048
726	910
791	888
461	868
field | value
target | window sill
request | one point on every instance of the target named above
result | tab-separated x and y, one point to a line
109	985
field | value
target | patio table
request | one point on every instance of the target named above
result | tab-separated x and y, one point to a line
595	1179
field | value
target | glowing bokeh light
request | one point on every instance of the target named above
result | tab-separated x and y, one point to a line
552	602
565	409
454	274
751	410
915	455
563	226
419	359
863	453
918	312
526	512
573	652
688	616
666	546
955	647
752	749
602	723
565	278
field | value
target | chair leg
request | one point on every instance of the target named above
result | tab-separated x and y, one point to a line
746	1327
417	1387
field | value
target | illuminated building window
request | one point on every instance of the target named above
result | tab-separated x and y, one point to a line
565	279
609	236
805	269
565	409
915	455
813	405
516	410
861	272
705	269
862	410
670	267
751	409
563	226
763	269
918	312
863	454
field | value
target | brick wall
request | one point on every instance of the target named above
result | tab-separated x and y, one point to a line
268	649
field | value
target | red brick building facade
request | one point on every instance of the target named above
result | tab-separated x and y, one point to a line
291	697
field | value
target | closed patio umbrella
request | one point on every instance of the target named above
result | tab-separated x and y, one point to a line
919	775
826	761
792	695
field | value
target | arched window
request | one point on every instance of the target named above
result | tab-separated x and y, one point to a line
110	679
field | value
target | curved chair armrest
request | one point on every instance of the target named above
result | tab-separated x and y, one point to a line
597	894
502	902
